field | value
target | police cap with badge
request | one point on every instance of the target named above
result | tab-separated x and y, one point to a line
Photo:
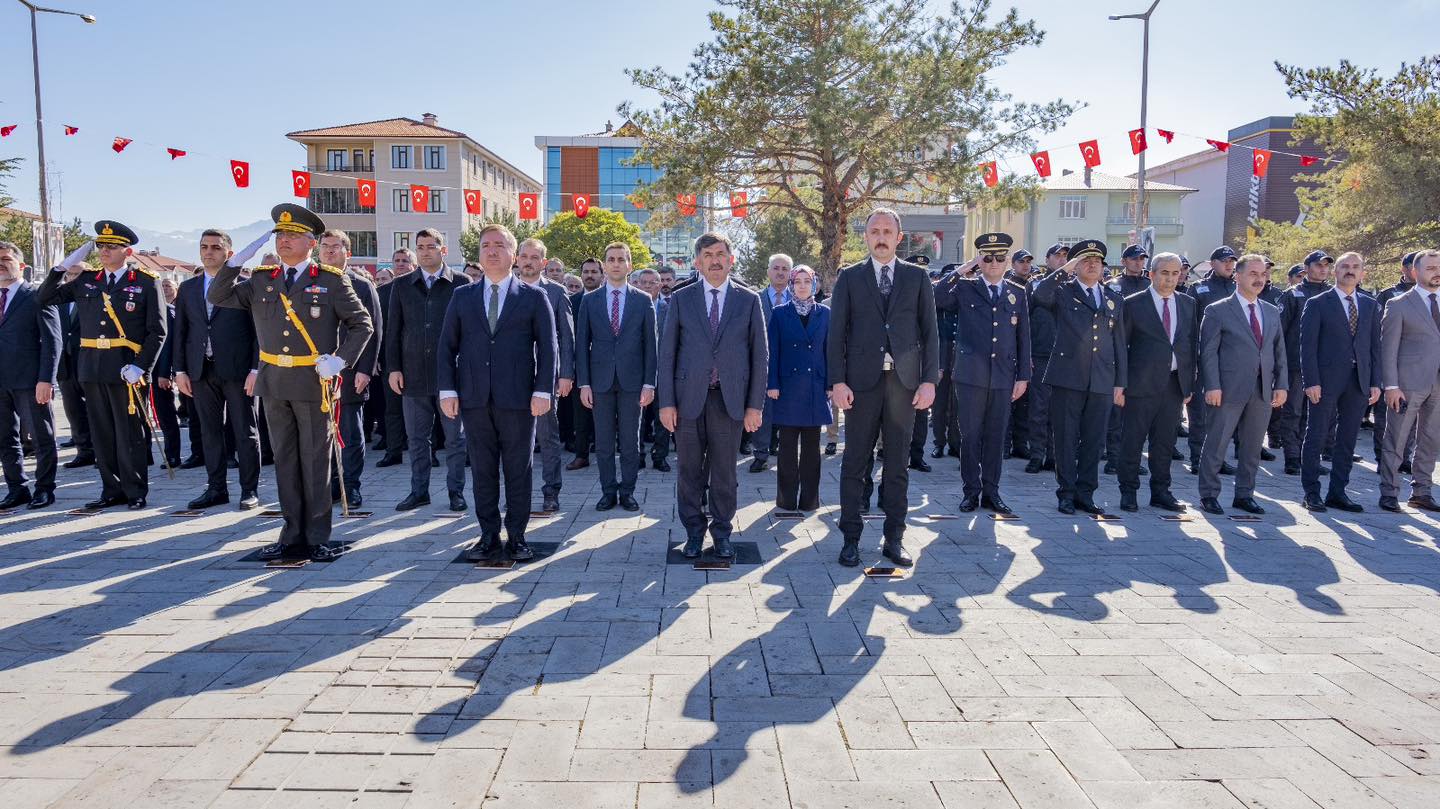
993	246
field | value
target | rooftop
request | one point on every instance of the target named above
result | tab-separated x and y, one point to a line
1075	181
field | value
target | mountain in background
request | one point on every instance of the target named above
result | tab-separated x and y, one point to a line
185	245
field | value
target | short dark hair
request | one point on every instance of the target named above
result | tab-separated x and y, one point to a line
337	233
590	260
710	240
219	234
14	248
432	233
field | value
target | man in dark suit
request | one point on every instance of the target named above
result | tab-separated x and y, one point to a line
497	373
773	295
1292	426
660	450
1340	369
1161	339
531	266
122	326
30	334
418	302
712	367
883	352
615	368
216	362
402	263
72	394
355	379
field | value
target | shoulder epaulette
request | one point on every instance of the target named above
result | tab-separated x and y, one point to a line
267	268
335	270
146	271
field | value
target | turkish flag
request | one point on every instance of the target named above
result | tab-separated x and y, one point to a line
420	198
581	203
992	174
301	181
365	189
1306	161
1137	141
70	130
1042	163
6	130
686	203
1260	162
119	144
174	153
739	204
1219	144
529	206
472	201
240	171
1167	135
1090	151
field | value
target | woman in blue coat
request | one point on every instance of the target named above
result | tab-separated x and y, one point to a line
797	331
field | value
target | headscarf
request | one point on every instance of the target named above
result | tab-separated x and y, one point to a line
802	308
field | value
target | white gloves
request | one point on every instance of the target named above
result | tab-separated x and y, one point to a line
77	256
132	374
329	365
248	252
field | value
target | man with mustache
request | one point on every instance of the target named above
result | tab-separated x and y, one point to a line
1410	374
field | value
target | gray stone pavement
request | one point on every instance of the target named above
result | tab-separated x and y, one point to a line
1049	662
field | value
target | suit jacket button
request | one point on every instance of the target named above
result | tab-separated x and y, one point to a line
285	349
286	333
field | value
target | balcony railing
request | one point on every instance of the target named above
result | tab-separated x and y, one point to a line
1154	220
365	168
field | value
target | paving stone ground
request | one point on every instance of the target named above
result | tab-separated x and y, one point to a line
1050	662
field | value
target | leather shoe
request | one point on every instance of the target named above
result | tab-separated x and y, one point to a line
723	548
1166	502
16	498
1089	507
1247	505
1343	502
661	465
1391	504
1210	505
249	500
354	499
106	502
327	551
137	504
483	548
79	462
919	465
938	452
41	500
208	498
1128	502
1033	468
1266	455
693	546
1066	506
579	462
519	550
628	503
457	502
830	448
759	465
1313	503
970	503
850	553
894	550
193	462
389	460
1109	468
277	551
1292	468
1423	502
413	501
995	504
551	504
1226	468
607	502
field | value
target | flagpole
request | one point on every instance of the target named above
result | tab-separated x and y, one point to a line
1144	99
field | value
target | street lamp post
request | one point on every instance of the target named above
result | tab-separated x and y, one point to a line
1144	98
35	12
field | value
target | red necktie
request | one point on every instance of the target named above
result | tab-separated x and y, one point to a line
1255	327
615	312
1169	335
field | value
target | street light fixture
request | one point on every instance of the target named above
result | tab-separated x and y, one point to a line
35	12
1144	98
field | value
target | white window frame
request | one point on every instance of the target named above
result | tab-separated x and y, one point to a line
425	156
1068	204
402	239
400	200
439	201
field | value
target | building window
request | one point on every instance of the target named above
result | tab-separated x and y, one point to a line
1069	241
1128	212
362	242
402	239
435	157
335	160
336	200
400	200
1072	207
400	157
359	161
437	201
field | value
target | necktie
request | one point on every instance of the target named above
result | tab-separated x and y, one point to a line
1434	311
994	294
1354	316
114	278
1255	327
289	278
493	313
615	312
885	281
1165	319
4	299
714	330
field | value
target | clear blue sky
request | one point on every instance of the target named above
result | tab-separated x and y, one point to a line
228	79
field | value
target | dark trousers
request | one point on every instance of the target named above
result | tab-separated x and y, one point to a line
303	463
798	476
705	450
565	416
72	398
396	435
1294	425
943	412
547	438
219	403
1113	424
663	438
352	454
197	441
918	431
500	441
420	413
1019	443
1078	419
984	418
1155	419
168	419
20	415
617	430
584	424
1198	416
375	407
885	410
262	426
1342	412
119	439
762	439
1041	442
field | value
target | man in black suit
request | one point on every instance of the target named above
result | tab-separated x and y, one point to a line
713	364
883	354
216	362
591	277
1161	337
396	437
355	379
497	373
72	395
162	390
30	334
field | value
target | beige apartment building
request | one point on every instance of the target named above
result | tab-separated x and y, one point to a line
398	153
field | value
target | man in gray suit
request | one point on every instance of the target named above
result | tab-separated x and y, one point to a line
777	293
1244	375
531	264
1410	374
705	393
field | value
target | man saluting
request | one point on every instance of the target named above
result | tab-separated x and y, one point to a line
299	307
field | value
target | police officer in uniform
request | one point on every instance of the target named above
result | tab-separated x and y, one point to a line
922	417
299	308
943	411
120	312
1042	342
1315	281
1217	286
991	368
1017	441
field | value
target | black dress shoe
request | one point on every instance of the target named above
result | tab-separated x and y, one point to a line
1292	468
693	545
457	502
249	500
1343	502
413	501
389	460
1109	468
1313	503
919	465
327	551
723	548
79	462
354	499
1210	505
551	504
483	548
1048	466
850	553
579	462
661	465
759	465
277	551
137	504
970	503
1166	502
15	498
1423	502
1128	502
434	461
1177	455
1226	468
269	460
938	452
1266	455
628	503
607	502
746	448
1404	468
1247	505
232	464
1391	504
894	550
106	502
518	550
208	498
642	462
193	462
1066	506
41	500
830	448
995	504
1089	507
1033	468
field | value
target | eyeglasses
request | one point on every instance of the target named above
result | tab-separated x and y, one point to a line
989	259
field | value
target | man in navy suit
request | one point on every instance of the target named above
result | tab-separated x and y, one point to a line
30	334
615	368
497	374
1340	371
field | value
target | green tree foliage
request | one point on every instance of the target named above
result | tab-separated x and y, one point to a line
470	237
828	108
572	239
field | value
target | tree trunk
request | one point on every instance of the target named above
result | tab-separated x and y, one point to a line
832	238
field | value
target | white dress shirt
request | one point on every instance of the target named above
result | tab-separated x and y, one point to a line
724	289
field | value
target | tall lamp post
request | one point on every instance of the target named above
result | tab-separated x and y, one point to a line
1144	98
35	12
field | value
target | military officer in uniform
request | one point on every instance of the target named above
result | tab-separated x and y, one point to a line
1292	425
1086	372
991	368
120	312
299	308
1217	286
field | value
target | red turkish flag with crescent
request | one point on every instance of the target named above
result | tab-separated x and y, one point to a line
174	153
1137	141
301	182
1090	152
70	130
740	204
365	189
992	174
240	172
472	202
1220	145
119	144
1306	161
529	206
1260	162
1042	163
1167	135
686	203
581	203
420	198
6	130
